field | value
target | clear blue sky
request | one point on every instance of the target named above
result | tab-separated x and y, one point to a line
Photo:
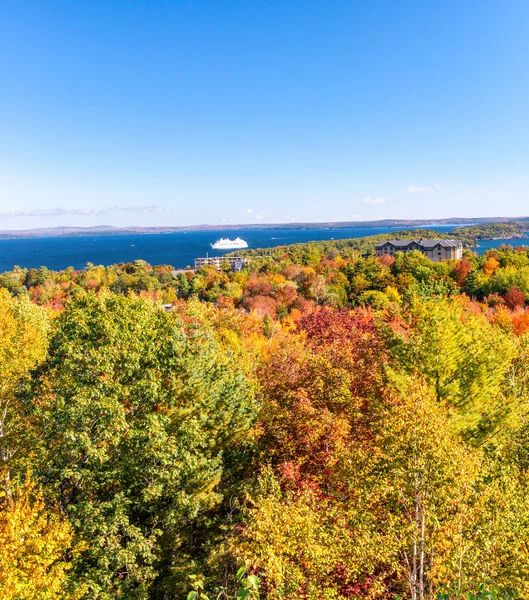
184	112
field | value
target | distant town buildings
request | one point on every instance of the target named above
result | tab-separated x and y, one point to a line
176	272
436	250
236	262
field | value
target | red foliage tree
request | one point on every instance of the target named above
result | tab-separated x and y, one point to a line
286	295
257	286
291	271
520	322
386	260
319	389
263	305
514	298
461	271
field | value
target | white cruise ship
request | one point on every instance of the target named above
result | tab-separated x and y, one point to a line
227	244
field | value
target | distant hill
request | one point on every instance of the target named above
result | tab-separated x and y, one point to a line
109	230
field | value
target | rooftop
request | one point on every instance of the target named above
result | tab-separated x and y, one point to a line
422	243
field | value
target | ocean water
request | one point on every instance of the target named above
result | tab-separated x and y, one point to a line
484	245
177	249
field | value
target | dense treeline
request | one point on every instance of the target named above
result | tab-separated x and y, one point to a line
314	426
288	278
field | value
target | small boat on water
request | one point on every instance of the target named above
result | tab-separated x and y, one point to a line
227	244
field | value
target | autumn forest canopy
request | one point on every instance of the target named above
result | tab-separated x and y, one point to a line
322	424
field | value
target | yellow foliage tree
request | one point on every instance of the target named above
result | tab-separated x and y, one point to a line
464	358
23	344
409	512
33	542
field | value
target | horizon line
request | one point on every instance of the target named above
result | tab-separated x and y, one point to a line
254	225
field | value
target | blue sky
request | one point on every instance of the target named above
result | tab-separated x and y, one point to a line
158	112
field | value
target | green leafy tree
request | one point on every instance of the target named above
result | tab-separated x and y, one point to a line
463	357
247	587
139	413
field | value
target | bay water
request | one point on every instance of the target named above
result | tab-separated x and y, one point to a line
178	249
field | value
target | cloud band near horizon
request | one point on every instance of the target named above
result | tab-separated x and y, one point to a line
84	212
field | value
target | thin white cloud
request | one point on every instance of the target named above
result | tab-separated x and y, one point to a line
418	189
254	215
477	191
422	189
83	212
374	200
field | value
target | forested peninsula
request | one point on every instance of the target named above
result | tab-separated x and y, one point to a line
496	231
349	246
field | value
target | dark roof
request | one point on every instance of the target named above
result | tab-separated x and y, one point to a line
443	243
398	243
425	244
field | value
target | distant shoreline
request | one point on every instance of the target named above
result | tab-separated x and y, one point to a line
103	230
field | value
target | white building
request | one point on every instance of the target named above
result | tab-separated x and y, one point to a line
235	262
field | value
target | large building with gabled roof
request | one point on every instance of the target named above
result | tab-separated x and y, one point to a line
436	250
